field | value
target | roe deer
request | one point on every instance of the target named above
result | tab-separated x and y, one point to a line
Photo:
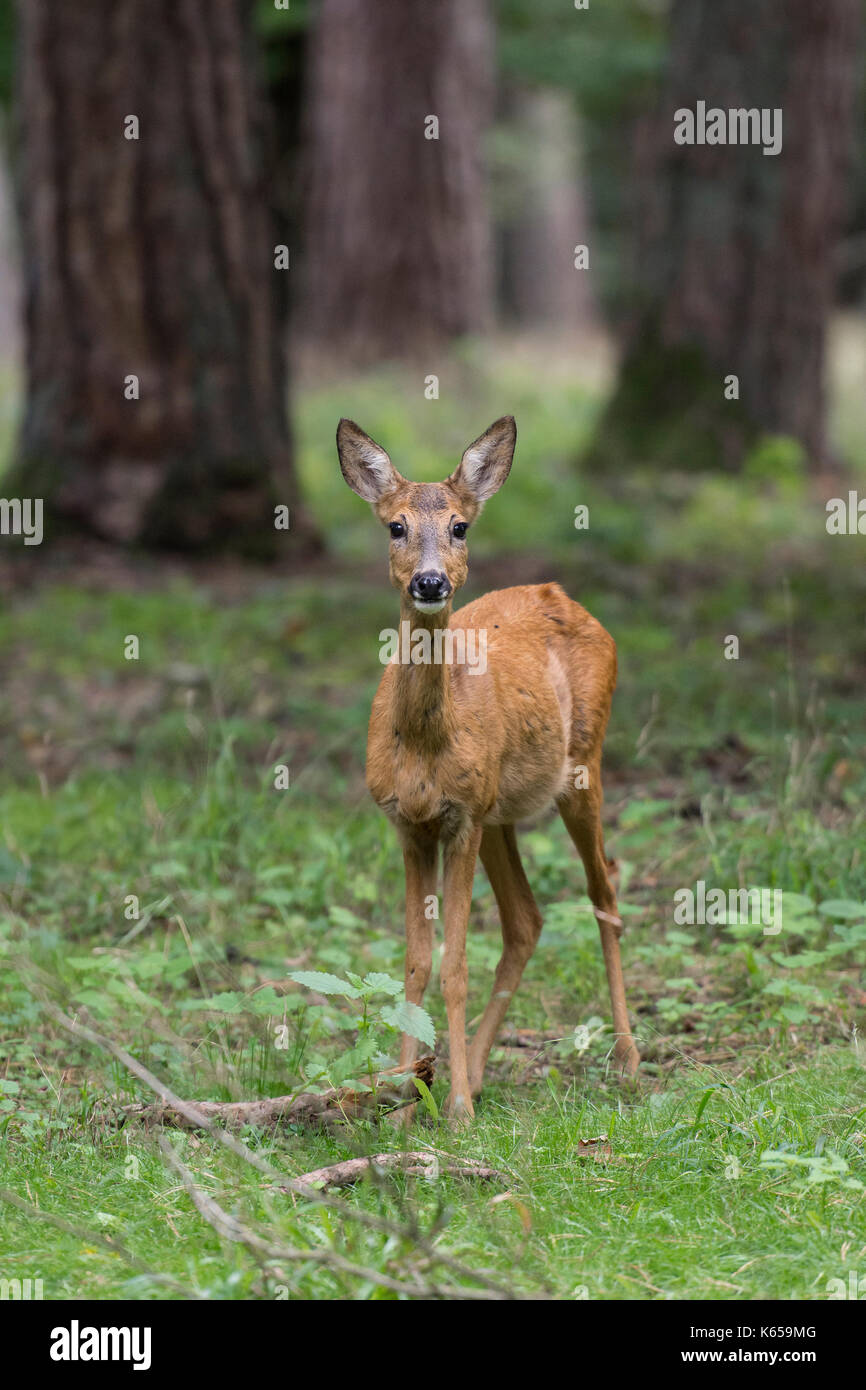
456	756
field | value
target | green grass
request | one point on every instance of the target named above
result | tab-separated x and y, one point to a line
154	779
684	1208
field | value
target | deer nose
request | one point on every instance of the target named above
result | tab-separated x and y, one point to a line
430	587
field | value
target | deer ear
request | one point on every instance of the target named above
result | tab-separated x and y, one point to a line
487	463
364	464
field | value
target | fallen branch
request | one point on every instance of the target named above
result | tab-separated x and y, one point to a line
425	1163
371	1220
230	1228
306	1110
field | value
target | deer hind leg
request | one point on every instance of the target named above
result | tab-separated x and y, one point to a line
521	927
581	811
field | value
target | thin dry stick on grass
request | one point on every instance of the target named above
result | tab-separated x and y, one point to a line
330	1108
425	1163
230	1228
73	1228
240	1150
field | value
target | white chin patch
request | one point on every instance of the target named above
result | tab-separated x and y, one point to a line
430	607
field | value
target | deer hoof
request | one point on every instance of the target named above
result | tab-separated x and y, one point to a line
459	1108
627	1059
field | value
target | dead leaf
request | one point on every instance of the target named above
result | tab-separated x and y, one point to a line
598	1149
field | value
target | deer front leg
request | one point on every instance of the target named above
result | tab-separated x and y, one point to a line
459	870
419	860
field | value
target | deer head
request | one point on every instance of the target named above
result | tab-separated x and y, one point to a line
427	522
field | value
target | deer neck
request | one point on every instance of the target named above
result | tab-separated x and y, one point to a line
423	698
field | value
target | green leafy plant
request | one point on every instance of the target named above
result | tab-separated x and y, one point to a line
379	1024
810	1170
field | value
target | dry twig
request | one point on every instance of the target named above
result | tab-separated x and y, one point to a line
230	1228
199	1121
425	1163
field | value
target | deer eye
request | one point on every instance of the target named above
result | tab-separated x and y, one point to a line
397	530
459	529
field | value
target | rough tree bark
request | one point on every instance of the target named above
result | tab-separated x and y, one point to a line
322	1110
397	247
151	257
737	247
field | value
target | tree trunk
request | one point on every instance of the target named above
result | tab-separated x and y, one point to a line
151	258
543	216
737	252
10	274
397	249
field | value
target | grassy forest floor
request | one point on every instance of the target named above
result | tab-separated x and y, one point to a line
735	1171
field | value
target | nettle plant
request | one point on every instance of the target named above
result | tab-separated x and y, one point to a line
810	1170
792	969
383	1015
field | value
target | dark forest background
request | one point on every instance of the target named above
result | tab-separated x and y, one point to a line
304	128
